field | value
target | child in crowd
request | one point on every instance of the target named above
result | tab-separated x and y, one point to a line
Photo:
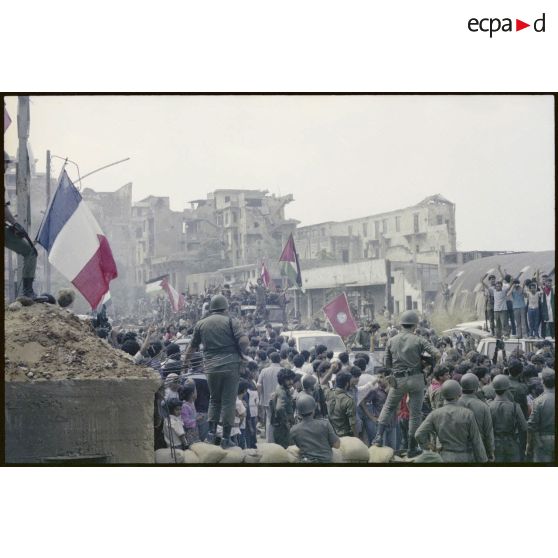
238	430
173	429
188	413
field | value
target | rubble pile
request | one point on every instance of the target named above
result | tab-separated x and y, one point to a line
46	342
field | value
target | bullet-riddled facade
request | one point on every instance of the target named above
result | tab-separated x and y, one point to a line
421	233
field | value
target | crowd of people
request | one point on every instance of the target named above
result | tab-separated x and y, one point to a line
239	382
524	310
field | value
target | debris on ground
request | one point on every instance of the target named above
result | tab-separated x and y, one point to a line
46	342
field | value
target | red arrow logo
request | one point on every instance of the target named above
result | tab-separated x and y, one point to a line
519	25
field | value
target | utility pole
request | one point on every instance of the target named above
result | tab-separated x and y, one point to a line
23	172
47	263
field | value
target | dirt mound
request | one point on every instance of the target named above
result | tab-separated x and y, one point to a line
46	342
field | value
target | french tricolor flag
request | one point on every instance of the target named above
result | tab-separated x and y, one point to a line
75	243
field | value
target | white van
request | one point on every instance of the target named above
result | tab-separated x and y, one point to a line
487	346
309	339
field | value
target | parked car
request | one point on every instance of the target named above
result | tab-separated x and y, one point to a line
487	346
309	339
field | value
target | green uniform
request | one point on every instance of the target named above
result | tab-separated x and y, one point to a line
362	339
219	335
508	422
314	438
542	425
283	416
490	393
403	354
457	431
483	418
22	247
341	409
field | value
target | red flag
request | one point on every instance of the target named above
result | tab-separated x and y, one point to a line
339	316
264	274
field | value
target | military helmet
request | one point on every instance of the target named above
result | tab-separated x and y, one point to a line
305	404
218	302
451	390
469	382
410	317
501	382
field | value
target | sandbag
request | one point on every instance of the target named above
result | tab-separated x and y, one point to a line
294	454
208	453
163	455
354	450
273	453
427	456
337	456
252	458
233	455
190	458
380	454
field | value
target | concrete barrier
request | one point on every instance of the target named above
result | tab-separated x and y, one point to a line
96	420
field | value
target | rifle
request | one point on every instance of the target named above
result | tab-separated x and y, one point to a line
18	230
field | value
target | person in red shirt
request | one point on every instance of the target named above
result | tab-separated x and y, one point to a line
403	421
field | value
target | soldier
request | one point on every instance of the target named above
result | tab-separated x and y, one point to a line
223	342
541	423
403	355
469	399
456	429
363	337
17	240
314	437
282	407
508	421
341	407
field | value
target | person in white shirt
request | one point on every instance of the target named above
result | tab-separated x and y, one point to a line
239	426
500	307
173	428
267	383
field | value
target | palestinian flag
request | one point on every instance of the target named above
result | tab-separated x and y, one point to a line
162	284
291	266
264	274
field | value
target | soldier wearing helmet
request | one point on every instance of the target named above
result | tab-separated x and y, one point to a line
403	355
470	386
313	437
455	427
541	423
508	421
223	342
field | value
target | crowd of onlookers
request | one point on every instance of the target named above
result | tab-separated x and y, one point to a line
522	309
276	374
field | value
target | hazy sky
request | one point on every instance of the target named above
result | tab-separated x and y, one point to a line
340	156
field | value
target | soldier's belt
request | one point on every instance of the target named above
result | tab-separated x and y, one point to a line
403	373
